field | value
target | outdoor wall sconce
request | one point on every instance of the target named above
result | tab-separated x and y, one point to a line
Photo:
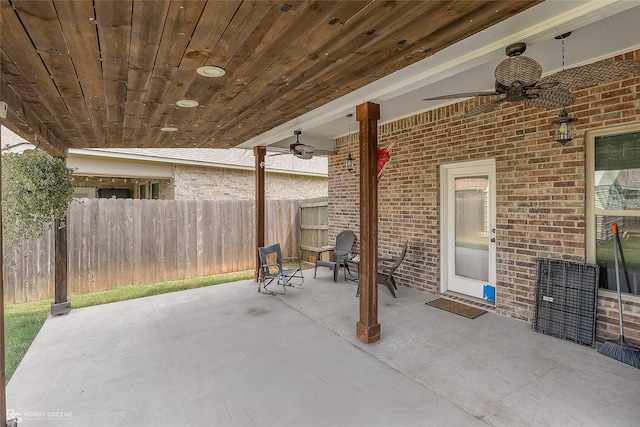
565	129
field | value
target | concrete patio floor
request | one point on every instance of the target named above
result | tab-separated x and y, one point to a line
226	355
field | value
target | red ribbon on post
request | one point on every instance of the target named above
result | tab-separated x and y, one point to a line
383	158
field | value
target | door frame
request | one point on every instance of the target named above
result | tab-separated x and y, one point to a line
445	218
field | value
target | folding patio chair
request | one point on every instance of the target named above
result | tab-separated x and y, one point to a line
271	270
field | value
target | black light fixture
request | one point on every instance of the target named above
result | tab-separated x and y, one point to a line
350	163
565	127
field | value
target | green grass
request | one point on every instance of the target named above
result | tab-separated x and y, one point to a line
630	249
23	321
21	325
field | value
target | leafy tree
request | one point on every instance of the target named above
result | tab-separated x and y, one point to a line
36	189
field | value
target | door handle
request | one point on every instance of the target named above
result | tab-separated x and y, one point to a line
493	239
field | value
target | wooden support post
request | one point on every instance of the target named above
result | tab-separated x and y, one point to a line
368	328
3	390
3	376
259	153
60	305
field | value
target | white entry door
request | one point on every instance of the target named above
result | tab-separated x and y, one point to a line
468	228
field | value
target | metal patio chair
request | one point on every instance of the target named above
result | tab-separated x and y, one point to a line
344	243
271	269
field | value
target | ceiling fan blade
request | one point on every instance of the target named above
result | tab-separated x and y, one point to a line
557	98
461	95
546	85
323	152
592	74
518	69
484	108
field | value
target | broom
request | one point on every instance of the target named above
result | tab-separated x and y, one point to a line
619	349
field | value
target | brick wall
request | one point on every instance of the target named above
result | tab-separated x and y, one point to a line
540	190
195	182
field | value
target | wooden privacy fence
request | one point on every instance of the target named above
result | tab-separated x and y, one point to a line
314	227
119	242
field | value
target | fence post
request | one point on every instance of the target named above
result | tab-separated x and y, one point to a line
60	305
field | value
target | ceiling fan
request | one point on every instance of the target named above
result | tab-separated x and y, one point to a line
518	79
302	151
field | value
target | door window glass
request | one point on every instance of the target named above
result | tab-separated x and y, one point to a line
471	227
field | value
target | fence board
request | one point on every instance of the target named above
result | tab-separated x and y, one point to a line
199	239
169	254
92	235
10	276
129	247
226	221
192	237
249	237
120	242
208	244
137	241
74	257
216	238
149	233
313	228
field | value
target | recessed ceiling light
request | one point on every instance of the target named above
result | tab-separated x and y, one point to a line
210	71
187	103
169	129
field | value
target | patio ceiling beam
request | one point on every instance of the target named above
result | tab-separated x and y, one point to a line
368	328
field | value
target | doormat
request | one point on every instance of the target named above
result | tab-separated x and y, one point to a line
457	308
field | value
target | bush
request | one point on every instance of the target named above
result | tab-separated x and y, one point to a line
36	189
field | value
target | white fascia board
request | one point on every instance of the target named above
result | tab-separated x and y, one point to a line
96	152
301	173
118	167
96	162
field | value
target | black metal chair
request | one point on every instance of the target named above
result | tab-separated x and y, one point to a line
271	269
344	243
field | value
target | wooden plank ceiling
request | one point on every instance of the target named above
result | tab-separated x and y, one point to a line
109	73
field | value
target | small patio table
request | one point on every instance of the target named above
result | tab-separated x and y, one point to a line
355	263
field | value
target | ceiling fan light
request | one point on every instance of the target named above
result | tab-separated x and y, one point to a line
565	129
